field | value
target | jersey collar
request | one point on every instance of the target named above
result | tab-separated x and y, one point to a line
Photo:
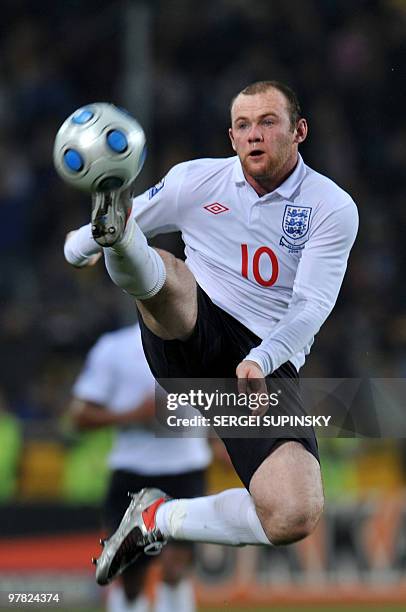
286	189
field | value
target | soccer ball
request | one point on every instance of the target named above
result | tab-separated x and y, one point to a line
100	147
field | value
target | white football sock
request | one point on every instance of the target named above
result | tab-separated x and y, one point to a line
80	246
133	265
226	518
117	602
179	597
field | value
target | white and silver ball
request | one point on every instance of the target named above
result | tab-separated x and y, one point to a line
100	147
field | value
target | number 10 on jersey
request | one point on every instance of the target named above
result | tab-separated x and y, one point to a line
262	251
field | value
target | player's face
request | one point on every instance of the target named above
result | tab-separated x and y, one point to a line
264	139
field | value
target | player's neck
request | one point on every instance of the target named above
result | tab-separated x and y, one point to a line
261	186
266	185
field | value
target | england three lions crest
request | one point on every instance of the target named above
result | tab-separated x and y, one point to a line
295	225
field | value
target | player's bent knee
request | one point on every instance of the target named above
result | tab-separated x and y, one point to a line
291	522
293	529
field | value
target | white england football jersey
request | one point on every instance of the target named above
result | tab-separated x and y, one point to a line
275	263
116	375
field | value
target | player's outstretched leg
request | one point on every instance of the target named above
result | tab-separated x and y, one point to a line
284	505
152	518
163	286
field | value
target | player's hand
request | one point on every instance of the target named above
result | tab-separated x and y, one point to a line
251	380
89	261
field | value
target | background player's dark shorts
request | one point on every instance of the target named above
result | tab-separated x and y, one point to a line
186	484
217	345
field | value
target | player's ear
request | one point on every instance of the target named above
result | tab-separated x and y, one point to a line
230	133
301	130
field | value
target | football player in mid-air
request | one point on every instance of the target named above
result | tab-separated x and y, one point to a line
267	241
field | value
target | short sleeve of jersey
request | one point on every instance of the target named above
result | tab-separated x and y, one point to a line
95	383
156	210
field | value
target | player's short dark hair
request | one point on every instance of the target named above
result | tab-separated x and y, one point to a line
295	112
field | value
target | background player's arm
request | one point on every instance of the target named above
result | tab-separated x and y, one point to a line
89	415
95	388
318	280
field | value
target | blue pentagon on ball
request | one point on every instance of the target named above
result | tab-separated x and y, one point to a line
73	160
117	141
83	115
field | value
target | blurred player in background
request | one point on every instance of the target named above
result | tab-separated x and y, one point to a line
267	241
116	388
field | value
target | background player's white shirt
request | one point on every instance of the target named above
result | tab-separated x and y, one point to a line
116	375
275	263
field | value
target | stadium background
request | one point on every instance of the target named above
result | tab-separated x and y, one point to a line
175	64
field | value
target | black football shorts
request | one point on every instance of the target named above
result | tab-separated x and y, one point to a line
217	345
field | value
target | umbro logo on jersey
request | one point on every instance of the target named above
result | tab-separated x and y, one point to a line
216	208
